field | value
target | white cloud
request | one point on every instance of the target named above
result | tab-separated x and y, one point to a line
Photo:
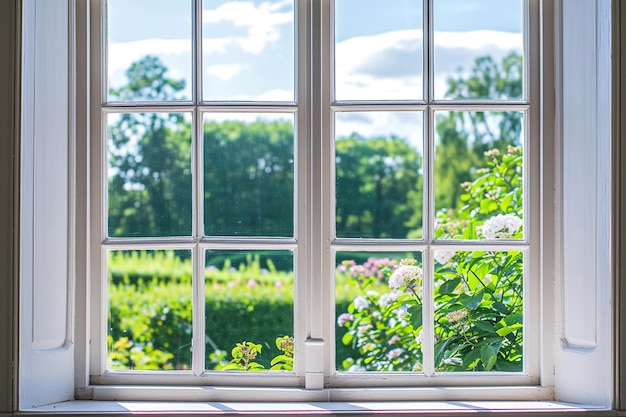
403	124
275	95
389	65
121	55
261	22
224	72
385	66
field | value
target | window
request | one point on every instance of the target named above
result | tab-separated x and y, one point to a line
382	211
332	228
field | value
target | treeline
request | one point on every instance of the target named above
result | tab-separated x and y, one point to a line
248	175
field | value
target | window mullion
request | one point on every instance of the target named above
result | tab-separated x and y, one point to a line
198	287
428	317
319	306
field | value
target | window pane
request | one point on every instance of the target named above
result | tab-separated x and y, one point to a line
149	309
479	175
249	298
378	304
248	174
378	50
478	311
149	50
378	162
149	174
248	50
478	49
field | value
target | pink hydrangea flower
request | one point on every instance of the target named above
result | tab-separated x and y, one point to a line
344	318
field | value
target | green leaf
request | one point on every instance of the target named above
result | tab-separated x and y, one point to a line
506	202
488	206
516	318
280	358
484	326
449	286
347	363
416	316
508	329
440	350
474	301
505	366
488	356
470	360
499	307
347	338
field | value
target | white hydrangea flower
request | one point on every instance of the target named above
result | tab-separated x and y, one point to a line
405	275
361	303
388	298
443	256
501	226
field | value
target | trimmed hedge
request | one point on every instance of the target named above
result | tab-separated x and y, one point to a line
150	310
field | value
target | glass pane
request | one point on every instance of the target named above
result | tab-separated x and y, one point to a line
149	301
479	175
378	163
248	174
478	311
149	174
249	310
378	304
378	50
478	49
248	50
149	50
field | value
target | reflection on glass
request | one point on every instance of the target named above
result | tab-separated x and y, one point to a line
249	298
479	175
478	49
148	50
478	311
248	174
378	306
248	50
378	50
149	174
149	300
378	163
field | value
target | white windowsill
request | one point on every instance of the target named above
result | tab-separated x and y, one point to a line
421	408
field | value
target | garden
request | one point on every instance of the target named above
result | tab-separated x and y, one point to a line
379	301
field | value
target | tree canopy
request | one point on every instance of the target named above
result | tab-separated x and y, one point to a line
248	175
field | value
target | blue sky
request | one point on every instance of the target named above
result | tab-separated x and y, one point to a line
248	47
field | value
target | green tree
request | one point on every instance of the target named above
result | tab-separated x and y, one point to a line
463	137
249	178
379	187
149	159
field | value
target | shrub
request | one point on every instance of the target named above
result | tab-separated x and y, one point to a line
477	294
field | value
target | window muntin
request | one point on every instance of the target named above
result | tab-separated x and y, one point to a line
418	242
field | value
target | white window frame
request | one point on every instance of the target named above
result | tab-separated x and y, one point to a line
315	228
568	358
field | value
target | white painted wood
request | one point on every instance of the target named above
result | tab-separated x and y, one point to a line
46	352
619	198
584	358
579	191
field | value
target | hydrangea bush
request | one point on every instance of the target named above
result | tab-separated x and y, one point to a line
478	298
